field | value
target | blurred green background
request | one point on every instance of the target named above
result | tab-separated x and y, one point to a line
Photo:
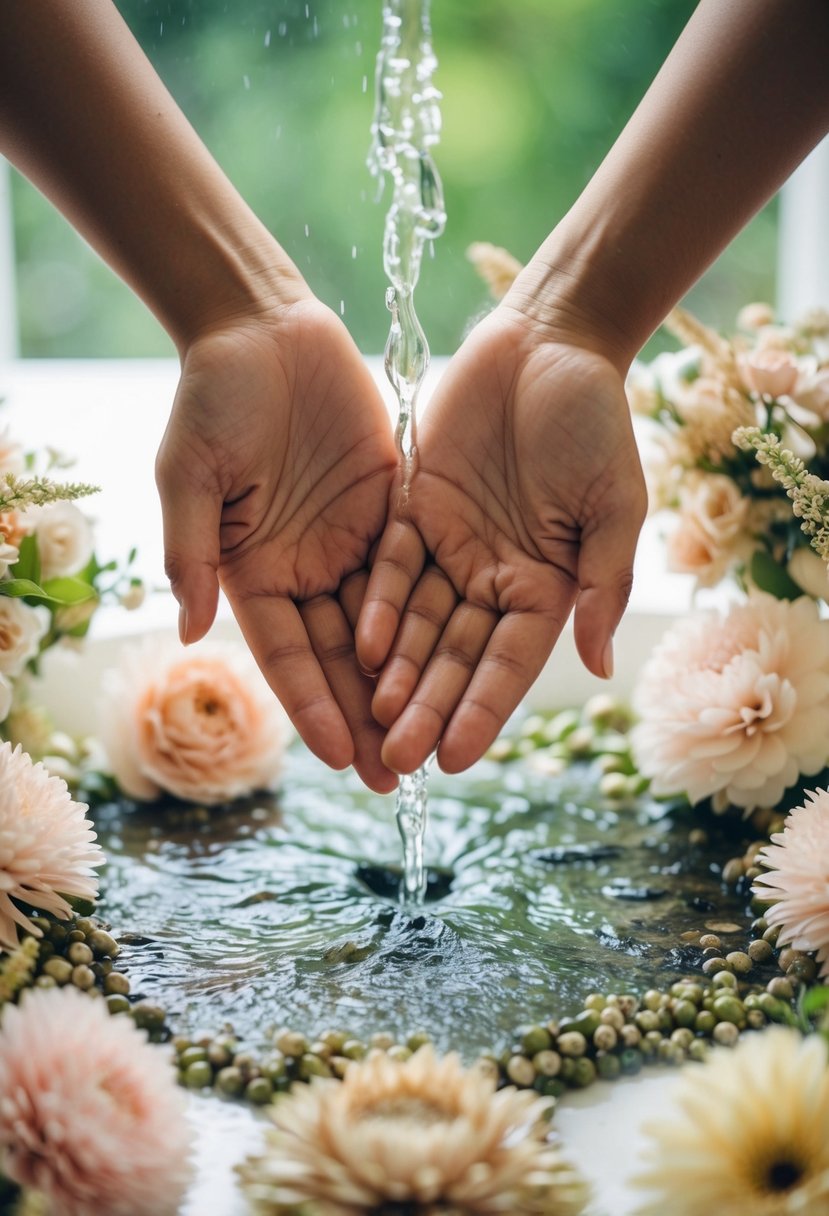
281	91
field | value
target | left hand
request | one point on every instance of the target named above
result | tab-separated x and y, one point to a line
274	476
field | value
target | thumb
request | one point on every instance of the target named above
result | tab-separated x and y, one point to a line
605	576
191	518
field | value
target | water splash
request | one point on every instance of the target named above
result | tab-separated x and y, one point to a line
406	126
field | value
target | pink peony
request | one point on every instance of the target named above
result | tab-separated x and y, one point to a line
90	1114
736	707
798	878
47	847
199	723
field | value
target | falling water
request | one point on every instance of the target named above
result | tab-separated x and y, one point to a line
406	126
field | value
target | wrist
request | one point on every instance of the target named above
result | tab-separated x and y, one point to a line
223	273
577	289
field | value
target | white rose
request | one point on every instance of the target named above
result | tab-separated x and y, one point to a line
64	539
21	629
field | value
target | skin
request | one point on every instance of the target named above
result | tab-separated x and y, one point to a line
275	468
529	495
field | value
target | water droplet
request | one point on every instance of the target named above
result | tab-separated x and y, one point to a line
365	84
354	251
246	81
307	11
316	28
267	38
342	308
282	29
161	29
358	47
307	230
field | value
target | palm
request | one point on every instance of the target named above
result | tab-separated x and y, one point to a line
274	476
528	497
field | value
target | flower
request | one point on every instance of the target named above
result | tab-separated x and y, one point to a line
64	538
769	371
749	1132
12	456
809	572
736	707
812	391
423	1137
47	848
798	878
90	1114
710	534
201	724
755	316
496	266
21	629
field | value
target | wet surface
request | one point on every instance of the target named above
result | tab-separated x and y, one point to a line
284	910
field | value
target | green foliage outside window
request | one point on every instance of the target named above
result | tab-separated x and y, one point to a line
535	92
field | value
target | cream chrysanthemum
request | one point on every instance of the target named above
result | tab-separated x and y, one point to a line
748	1133
423	1137
90	1113
47	846
736	707
798	878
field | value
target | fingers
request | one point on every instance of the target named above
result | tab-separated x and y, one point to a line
605	576
430	607
462	712
278	638
332	638
191	552
415	735
397	566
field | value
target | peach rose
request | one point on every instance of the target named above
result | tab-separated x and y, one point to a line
710	534
769	371
200	723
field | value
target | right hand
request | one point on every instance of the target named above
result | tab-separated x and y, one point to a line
529	498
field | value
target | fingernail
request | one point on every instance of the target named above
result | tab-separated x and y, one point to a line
182	625
607	658
371	672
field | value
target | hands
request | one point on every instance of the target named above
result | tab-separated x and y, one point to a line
274	476
528	498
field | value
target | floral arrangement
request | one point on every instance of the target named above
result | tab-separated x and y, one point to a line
51	582
741	450
731	711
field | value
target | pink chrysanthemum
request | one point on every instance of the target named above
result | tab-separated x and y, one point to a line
90	1114
798	878
47	846
736	707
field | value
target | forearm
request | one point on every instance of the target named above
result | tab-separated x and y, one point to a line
86	118
740	101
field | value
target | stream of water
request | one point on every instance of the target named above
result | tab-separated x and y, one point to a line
406	126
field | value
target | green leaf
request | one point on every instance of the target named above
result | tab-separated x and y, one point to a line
28	562
815	1000
771	577
69	590
23	586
